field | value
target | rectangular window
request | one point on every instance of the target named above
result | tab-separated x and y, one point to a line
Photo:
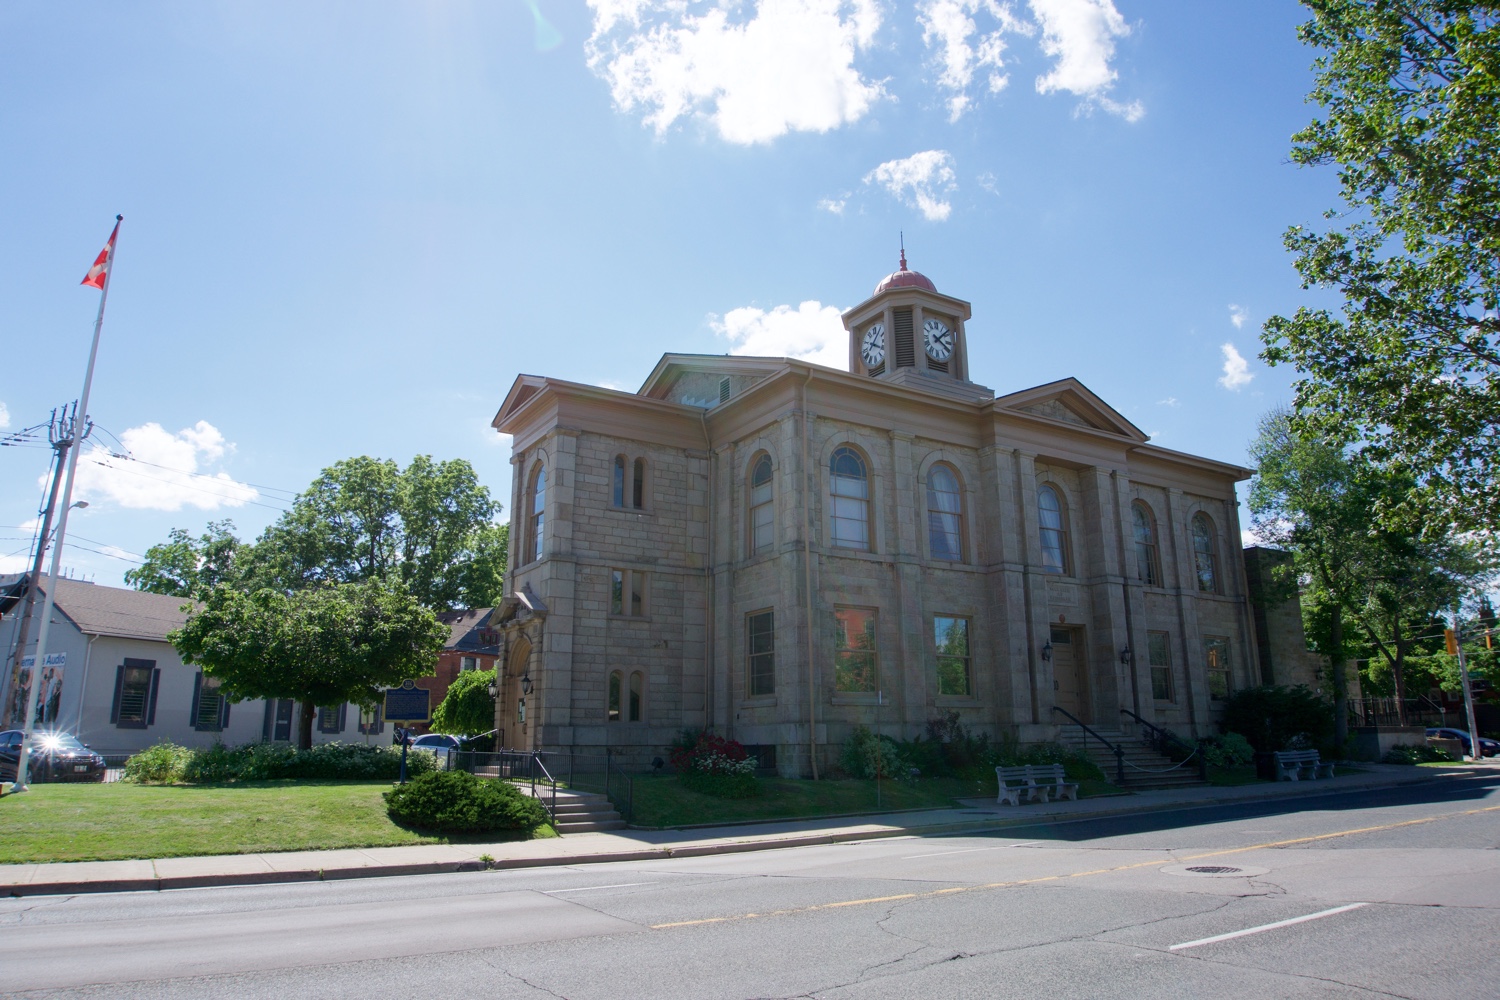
760	652
855	662
210	710
1159	653
612	710
468	663
953	663
627	593
331	719
370	721
1216	656
135	694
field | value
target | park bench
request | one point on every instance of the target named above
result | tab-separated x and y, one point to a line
1015	781
1050	778
1294	765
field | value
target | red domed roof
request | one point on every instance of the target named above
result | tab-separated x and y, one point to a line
905	278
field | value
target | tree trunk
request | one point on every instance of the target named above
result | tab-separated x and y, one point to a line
304	725
1340	681
1398	673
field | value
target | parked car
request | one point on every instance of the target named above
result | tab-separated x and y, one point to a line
55	756
1487	746
439	744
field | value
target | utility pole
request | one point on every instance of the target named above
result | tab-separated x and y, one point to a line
1475	753
61	441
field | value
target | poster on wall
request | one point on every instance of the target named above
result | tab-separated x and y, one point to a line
20	691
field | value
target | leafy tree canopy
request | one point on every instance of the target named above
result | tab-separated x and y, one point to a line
1410	93
324	645
467	709
429	527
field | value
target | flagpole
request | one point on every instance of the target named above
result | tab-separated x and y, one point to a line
80	417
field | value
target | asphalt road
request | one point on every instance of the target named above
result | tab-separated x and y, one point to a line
1384	893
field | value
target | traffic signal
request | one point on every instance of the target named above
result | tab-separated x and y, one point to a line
1451	638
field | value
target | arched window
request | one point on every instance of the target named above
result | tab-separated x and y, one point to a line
1054	530
1147	558
1205	554
762	528
944	514
637	683
617	495
638	485
612	707
538	511
851	500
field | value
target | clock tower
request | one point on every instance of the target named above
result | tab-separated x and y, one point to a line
908	333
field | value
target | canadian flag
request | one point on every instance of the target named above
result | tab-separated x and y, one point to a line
100	271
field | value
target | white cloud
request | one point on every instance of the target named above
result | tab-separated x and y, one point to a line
1238	315
948	26
1236	369
786	67
1169	401
1080	35
920	180
834	205
811	332
165	474
988	182
4	417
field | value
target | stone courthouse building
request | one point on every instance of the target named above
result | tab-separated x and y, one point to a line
781	551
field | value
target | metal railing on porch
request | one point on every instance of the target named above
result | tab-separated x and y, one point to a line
553	769
1172	746
1118	751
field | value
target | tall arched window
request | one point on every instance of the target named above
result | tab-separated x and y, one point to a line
637	693
1205	554
1054	530
538	511
1147	558
617	494
762	527
612	705
851	499
944	514
638	485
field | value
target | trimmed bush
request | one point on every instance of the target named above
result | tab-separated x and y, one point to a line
864	755
458	802
167	762
1230	750
1416	753
163	763
1272	717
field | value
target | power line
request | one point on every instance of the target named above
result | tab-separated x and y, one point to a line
188	486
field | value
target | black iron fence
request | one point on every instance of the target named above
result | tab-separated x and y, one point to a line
1419	711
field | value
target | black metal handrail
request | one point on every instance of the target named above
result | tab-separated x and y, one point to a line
626	802
1161	739
547	779
1119	752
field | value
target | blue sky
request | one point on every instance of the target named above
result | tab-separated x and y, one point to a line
348	226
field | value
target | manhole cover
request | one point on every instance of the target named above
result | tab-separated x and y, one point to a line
1213	871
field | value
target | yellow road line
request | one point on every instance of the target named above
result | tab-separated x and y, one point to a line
1053	878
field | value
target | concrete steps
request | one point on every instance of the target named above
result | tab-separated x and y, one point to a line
581	812
1144	767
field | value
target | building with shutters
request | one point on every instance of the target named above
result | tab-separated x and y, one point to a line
782	551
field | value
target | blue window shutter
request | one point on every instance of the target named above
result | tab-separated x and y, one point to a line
151	704
114	708
197	696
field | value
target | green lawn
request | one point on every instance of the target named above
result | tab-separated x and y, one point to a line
662	801
121	820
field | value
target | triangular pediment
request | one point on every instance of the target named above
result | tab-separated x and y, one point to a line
1069	401
524	387
674	368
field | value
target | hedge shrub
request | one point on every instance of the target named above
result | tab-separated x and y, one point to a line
714	766
1273	717
458	802
1416	753
169	763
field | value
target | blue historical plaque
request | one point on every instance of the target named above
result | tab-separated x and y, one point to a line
408	703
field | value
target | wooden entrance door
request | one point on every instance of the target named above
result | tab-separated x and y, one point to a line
1070	693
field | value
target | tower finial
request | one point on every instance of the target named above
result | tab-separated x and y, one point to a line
902	237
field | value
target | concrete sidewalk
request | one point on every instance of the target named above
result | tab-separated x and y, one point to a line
974	815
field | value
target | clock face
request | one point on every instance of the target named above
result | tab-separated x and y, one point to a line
873	348
938	339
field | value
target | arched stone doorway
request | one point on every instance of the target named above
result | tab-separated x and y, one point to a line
514	716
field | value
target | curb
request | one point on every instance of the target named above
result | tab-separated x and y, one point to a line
977	825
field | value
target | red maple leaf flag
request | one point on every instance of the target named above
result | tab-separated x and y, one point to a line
97	274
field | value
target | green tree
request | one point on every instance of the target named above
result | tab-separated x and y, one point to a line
324	645
1410	96
184	566
468	708
429	527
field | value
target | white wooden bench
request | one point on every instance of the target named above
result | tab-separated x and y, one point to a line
1051	778
1295	765
1016	781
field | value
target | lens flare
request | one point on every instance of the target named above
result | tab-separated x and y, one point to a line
547	37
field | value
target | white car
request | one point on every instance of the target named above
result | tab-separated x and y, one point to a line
440	745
